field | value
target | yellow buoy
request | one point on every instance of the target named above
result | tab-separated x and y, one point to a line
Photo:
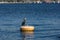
27	29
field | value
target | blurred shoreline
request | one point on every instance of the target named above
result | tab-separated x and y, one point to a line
38	2
25	3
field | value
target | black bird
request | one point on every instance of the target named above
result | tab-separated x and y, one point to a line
24	22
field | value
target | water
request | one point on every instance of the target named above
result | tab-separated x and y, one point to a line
44	17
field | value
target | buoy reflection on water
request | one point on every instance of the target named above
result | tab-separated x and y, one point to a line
27	35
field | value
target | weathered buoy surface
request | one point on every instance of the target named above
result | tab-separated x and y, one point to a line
27	28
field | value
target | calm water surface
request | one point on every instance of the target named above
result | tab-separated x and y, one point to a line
44	17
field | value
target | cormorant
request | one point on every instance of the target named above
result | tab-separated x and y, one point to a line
24	22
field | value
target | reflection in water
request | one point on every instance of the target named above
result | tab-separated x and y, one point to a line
27	35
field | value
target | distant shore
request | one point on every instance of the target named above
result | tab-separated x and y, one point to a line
26	2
